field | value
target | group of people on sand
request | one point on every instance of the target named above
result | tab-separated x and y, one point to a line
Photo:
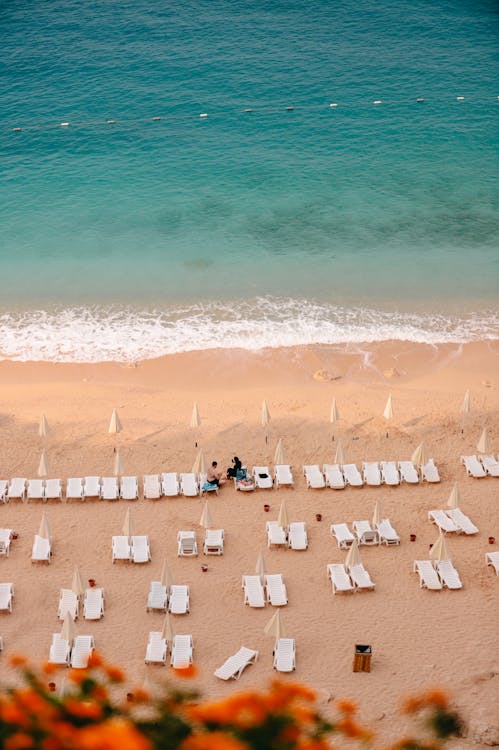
236	471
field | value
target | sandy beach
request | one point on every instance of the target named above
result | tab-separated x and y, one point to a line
419	638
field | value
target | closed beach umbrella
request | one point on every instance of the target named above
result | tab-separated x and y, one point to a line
275	627
128	525
260	569
167	630
282	518
265	418
166	576
439	550
388	412
43	427
118	464
195	423
206	521
68	630
377	517
115	425
280	454
44	530
334	415
339	457
199	466
483	444
77	583
466	405
353	556
454	497
419	456
43	467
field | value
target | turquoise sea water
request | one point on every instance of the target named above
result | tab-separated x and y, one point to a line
275	226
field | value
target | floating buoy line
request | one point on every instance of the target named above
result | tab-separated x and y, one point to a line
262	109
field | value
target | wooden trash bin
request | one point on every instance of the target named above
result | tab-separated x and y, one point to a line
362	658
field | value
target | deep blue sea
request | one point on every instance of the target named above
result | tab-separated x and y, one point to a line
174	176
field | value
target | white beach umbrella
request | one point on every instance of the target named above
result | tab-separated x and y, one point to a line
166	576
260	568
466	405
282	518
167	630
44	530
77	583
195	423
115	425
275	627
454	497
419	457
265	418
334	414
128	524
377	515
118	468
353	556
68	630
199	466
43	427
206	520
339	457
388	411
43	467
280	453
483	444
439	550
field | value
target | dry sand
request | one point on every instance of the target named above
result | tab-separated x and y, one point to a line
419	638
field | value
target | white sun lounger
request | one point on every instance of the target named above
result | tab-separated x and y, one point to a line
276	535
53	489
448	574
59	650
156	649
314	477
342	534
297	535
386	532
17	489
6	596
41	551
187	545
429	472
181	655
442	520
389	473
121	548
473	467
253	591
365	533
371	473
109	489
213	542
352	475
340	580
263	480
82	650
92	487
284	655
492	558
189	485
170	484
283	475
4	490
276	590
178	603
157	597
68	602
334	476
141	552
129	488
93	604
74	489
361	578
152	486
36	489
428	578
408	472
5	540
205	486
490	465
462	521
233	667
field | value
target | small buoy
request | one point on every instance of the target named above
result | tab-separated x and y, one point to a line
64	124
420	99
378	101
460	98
155	119
17	130
334	104
205	114
111	122
289	109
248	110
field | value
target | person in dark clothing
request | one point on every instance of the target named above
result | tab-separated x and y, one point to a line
232	470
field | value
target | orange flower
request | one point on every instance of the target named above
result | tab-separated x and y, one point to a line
10	713
436	698
186	672
83	709
347	706
95	659
350	728
311	743
30	701
19	741
99	693
213	741
115	674
293	691
140	695
17	660
114	734
78	675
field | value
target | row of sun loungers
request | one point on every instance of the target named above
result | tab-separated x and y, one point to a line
294	536
75	655
274	593
135	549
435	575
351	579
481	466
452	520
383	533
180	654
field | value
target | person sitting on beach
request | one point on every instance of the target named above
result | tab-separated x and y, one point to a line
232	470
213	476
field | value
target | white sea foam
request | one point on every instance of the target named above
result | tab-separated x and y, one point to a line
94	334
